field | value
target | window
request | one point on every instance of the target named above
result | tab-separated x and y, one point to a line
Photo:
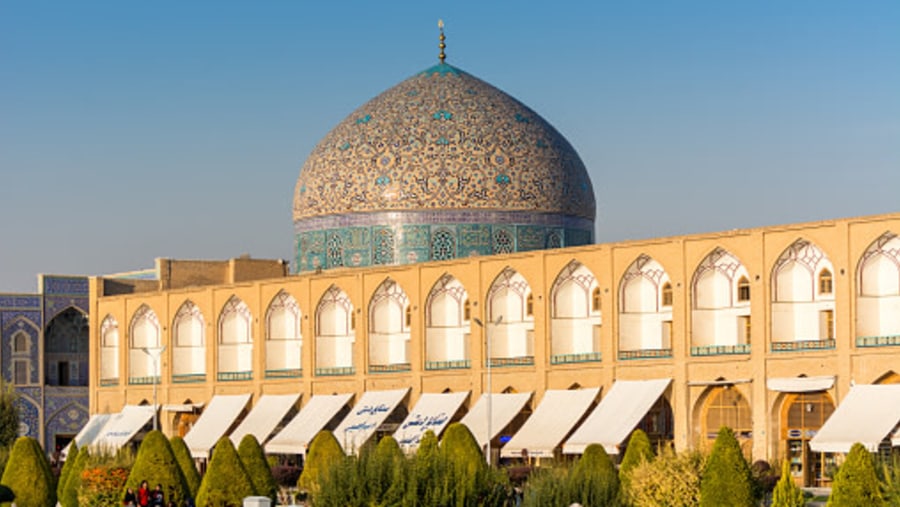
21	371
825	282
467	310
62	369
743	289
20	343
667	294
595	300
529	305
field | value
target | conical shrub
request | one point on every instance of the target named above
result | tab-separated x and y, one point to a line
726	481
254	460
69	492
71	456
428	471
855	484
186	463
383	470
28	475
786	492
638	450
226	482
466	473
324	452
156	464
594	480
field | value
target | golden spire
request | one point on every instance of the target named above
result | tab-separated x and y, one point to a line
441	56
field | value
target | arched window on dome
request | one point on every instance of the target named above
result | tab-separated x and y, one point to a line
448	313
720	318
575	316
144	331
512	339
503	242
235	341
645	322
554	240
109	351
443	245
335	336
284	343
388	329
802	315
189	336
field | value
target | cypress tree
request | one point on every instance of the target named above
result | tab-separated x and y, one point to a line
156	464
71	456
324	452
28	475
428	471
638	450
383	471
9	415
855	483
254	460
226	482
787	493
594	481
726	480
467	475
69	495
186	463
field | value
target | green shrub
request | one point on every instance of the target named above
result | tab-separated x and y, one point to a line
786	492
324	451
28	475
547	486
726	480
9	415
638	450
594	480
855	483
71	457
156	464
254	460
670	480
385	472
469	481
428	487
226	482
186	463
69	492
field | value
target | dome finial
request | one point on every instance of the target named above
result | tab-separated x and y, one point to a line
441	56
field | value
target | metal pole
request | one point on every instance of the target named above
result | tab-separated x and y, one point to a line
155	353
490	396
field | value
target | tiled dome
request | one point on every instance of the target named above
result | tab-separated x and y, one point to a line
442	165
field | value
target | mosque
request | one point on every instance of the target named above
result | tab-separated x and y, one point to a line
444	239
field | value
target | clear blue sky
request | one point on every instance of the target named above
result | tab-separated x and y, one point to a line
133	130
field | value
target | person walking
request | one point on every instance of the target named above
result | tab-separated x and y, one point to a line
143	494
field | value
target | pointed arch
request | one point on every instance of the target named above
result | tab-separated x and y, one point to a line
388	329
724	405
878	293
109	351
448	314
66	344
575	315
720	313
645	322
235	344
335	333
512	340
284	341
144	334
802	313
189	343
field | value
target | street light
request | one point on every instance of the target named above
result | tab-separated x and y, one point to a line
490	394
154	353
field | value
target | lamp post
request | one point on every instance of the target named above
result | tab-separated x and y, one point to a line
154	353
490	394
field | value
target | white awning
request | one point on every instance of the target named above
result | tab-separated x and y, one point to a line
868	415
800	384
122	427
214	422
312	418
432	412
553	419
265	416
182	407
618	413
504	407
367	415
88	433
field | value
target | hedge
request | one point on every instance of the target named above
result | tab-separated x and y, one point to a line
226	482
